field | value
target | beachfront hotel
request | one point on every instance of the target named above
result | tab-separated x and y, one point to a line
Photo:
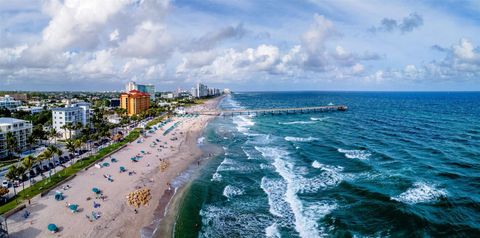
21	130
70	114
135	102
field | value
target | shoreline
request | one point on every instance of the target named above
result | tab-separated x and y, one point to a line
117	218
166	226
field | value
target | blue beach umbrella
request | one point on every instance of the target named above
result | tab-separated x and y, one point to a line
122	169
73	207
52	227
96	190
106	164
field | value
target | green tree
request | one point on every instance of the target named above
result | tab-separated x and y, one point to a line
12	144
53	133
27	163
31	140
68	127
13	174
70	145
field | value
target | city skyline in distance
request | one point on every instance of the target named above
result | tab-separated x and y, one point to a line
256	46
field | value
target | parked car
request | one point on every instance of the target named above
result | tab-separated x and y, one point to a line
6	184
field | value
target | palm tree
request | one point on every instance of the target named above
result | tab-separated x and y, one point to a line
27	163
30	141
12	145
69	126
70	145
47	154
13	175
52	151
53	134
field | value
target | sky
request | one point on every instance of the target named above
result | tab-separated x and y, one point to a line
249	45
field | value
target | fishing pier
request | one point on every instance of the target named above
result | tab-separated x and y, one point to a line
273	111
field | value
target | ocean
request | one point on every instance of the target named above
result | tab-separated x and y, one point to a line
399	164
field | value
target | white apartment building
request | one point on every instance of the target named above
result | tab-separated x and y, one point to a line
200	90
71	114
9	102
21	130
31	110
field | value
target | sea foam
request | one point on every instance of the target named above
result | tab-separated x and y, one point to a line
231	191
421	193
272	231
305	216
300	139
216	177
243	123
319	118
355	154
275	190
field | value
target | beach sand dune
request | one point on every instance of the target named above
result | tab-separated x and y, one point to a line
110	215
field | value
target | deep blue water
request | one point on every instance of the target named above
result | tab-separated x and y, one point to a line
393	165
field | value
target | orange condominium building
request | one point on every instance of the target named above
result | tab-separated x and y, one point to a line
135	102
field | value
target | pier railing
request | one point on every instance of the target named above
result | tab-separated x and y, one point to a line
272	111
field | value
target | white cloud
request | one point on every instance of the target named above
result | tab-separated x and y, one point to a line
358	68
465	50
149	40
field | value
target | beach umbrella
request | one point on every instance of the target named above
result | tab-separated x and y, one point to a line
114	160
122	169
143	152
52	227
58	196
106	164
73	207
96	190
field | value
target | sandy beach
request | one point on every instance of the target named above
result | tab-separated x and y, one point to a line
110	215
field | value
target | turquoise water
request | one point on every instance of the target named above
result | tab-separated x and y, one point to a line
393	165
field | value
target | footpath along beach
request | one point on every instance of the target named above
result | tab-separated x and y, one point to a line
160	158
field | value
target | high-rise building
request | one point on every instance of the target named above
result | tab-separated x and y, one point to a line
21	130
135	102
71	114
130	86
145	88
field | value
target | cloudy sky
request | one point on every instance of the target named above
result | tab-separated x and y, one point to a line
243	45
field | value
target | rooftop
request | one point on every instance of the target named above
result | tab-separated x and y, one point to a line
9	121
136	93
65	109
